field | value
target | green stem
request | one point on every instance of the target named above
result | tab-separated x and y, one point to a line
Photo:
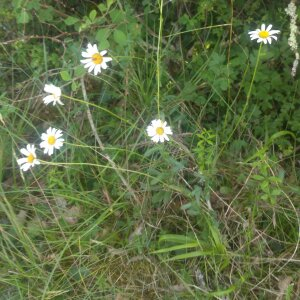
246	104
99	107
158	55
252	80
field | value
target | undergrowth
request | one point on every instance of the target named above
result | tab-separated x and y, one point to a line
212	214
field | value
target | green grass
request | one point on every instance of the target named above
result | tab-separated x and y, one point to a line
212	214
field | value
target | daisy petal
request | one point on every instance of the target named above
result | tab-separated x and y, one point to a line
85	54
24	151
104	66
88	64
97	69
91	68
155	139
25	167
85	61
269	27
274	32
22	160
107	59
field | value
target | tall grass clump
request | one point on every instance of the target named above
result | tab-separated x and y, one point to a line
149	150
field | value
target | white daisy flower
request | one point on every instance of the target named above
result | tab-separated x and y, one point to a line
55	93
51	139
158	131
30	160
95	60
264	34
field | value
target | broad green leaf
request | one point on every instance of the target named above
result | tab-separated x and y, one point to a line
225	190
33	4
274	179
65	75
102	7
102	34
109	3
93	15
276	192
74	86
120	37
79	71
101	37
258	177
46	15
71	20
117	16
16	3
23	17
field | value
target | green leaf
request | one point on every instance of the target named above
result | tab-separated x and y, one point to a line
120	37
101	37
65	75
161	197
16	3
6	109
23	17
276	192
191	255
71	20
225	190
177	247
46	15
176	238
93	15
34	4
221	293
280	134
74	86
274	179
102	7
79	71
109	3
258	177
117	16
102	34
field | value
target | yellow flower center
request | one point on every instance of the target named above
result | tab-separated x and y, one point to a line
30	158
263	34
51	140
160	131
97	59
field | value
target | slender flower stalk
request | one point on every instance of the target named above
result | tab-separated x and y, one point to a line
246	104
158	55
